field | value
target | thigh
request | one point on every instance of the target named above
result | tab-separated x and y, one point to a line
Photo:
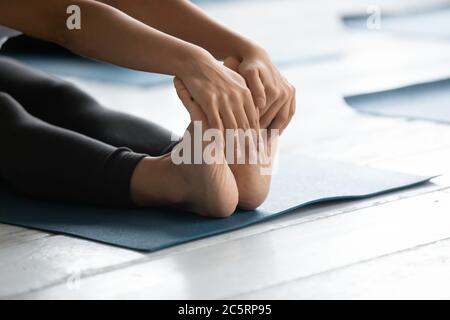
40	93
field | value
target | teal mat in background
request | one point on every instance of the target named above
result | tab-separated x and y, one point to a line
103	72
301	181
423	101
93	70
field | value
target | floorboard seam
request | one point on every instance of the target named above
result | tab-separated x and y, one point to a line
414	248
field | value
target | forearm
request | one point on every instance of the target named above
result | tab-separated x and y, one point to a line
106	34
184	20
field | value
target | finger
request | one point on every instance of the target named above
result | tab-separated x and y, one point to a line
250	125
215	120
253	81
240	115
194	109
228	118
177	82
273	98
185	98
232	63
250	111
291	113
281	119
258	130
253	119
256	86
267	118
181	89
271	92
230	131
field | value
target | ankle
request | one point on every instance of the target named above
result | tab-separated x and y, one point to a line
154	182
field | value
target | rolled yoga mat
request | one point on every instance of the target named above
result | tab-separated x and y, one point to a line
424	101
300	181
433	22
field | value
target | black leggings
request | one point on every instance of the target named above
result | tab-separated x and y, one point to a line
58	143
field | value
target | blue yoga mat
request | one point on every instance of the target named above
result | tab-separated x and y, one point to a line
424	101
430	22
300	181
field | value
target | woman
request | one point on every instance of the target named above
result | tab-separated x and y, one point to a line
59	143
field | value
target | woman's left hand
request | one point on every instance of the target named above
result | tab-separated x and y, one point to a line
272	94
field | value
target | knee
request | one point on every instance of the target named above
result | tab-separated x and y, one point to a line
5	99
63	90
68	97
10	111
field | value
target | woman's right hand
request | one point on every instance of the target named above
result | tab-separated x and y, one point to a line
221	93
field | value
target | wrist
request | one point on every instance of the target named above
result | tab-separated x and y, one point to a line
246	48
193	60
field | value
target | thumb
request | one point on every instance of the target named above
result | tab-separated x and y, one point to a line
192	107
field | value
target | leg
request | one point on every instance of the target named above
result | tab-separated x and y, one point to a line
45	161
50	162
62	104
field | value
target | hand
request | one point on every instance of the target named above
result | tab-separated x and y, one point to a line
273	95
221	93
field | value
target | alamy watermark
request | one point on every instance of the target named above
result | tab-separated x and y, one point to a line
73	21
374	19
231	146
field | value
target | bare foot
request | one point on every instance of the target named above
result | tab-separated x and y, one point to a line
253	180
206	189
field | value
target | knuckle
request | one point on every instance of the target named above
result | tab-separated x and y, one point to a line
211	98
250	72
275	92
270	90
285	94
284	117
245	91
234	100
215	120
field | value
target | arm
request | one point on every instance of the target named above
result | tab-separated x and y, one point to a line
110	35
106	34
184	20
271	93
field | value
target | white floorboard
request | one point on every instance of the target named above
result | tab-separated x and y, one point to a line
389	246
274	257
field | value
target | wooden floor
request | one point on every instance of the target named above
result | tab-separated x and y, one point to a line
391	246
